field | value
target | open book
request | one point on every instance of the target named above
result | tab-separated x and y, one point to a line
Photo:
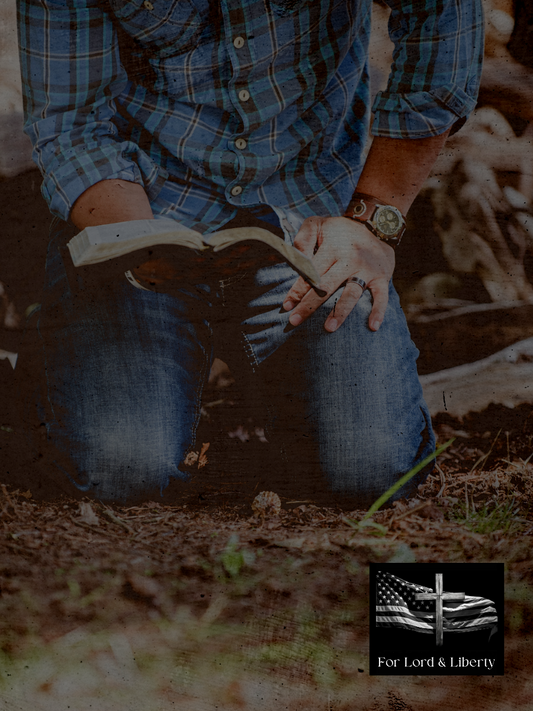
94	245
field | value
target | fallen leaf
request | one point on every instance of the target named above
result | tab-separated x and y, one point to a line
202	459
87	514
191	459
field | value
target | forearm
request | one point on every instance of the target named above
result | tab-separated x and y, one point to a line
71	76
396	169
111	201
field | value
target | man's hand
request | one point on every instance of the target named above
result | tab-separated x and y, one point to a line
394	172
341	248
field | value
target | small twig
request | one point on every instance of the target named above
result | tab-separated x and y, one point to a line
442	479
115	519
409	512
17	548
479	461
214	403
484	458
105	533
466	498
102	531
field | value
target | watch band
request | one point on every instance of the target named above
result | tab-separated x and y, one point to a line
386	222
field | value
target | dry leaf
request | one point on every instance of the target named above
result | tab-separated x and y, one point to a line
191	459
199	457
87	514
202	459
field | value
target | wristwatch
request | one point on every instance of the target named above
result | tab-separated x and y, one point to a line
384	221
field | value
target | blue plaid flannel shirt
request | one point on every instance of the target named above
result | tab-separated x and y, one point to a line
218	105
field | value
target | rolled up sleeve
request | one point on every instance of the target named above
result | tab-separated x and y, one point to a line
436	70
71	76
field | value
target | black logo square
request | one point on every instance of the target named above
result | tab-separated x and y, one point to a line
436	619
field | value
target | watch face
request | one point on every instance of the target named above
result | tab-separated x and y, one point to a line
388	220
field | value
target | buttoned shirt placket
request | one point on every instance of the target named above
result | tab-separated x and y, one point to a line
238	44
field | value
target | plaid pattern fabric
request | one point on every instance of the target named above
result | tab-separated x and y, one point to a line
396	606
213	106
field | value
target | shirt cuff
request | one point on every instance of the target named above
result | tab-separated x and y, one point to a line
421	114
72	172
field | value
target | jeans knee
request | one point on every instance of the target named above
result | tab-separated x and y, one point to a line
123	463
377	456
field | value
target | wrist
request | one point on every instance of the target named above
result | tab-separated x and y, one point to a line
386	222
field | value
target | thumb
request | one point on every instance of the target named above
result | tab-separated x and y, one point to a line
309	236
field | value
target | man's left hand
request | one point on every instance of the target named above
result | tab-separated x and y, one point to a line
341	248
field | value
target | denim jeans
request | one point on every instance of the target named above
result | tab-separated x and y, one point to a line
123	371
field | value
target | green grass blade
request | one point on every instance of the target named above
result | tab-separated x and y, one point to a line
404	479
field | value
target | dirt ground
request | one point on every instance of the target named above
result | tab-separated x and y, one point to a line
206	605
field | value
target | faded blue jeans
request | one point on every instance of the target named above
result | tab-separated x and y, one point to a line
124	370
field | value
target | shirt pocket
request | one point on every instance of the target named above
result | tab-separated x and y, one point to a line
166	27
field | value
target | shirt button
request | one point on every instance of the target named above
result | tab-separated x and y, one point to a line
238	42
241	144
244	95
237	190
148	5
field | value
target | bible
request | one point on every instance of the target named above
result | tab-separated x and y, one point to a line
129	244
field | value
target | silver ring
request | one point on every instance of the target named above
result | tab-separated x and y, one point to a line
356	280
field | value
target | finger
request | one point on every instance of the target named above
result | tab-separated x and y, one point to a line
307	236
350	296
308	306
311	301
305	241
380	296
298	290
301	288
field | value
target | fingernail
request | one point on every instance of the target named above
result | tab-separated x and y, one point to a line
288	305
295	319
375	325
332	324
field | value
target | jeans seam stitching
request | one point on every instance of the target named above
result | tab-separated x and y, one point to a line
249	351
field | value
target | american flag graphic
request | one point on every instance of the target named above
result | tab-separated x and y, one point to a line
396	606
